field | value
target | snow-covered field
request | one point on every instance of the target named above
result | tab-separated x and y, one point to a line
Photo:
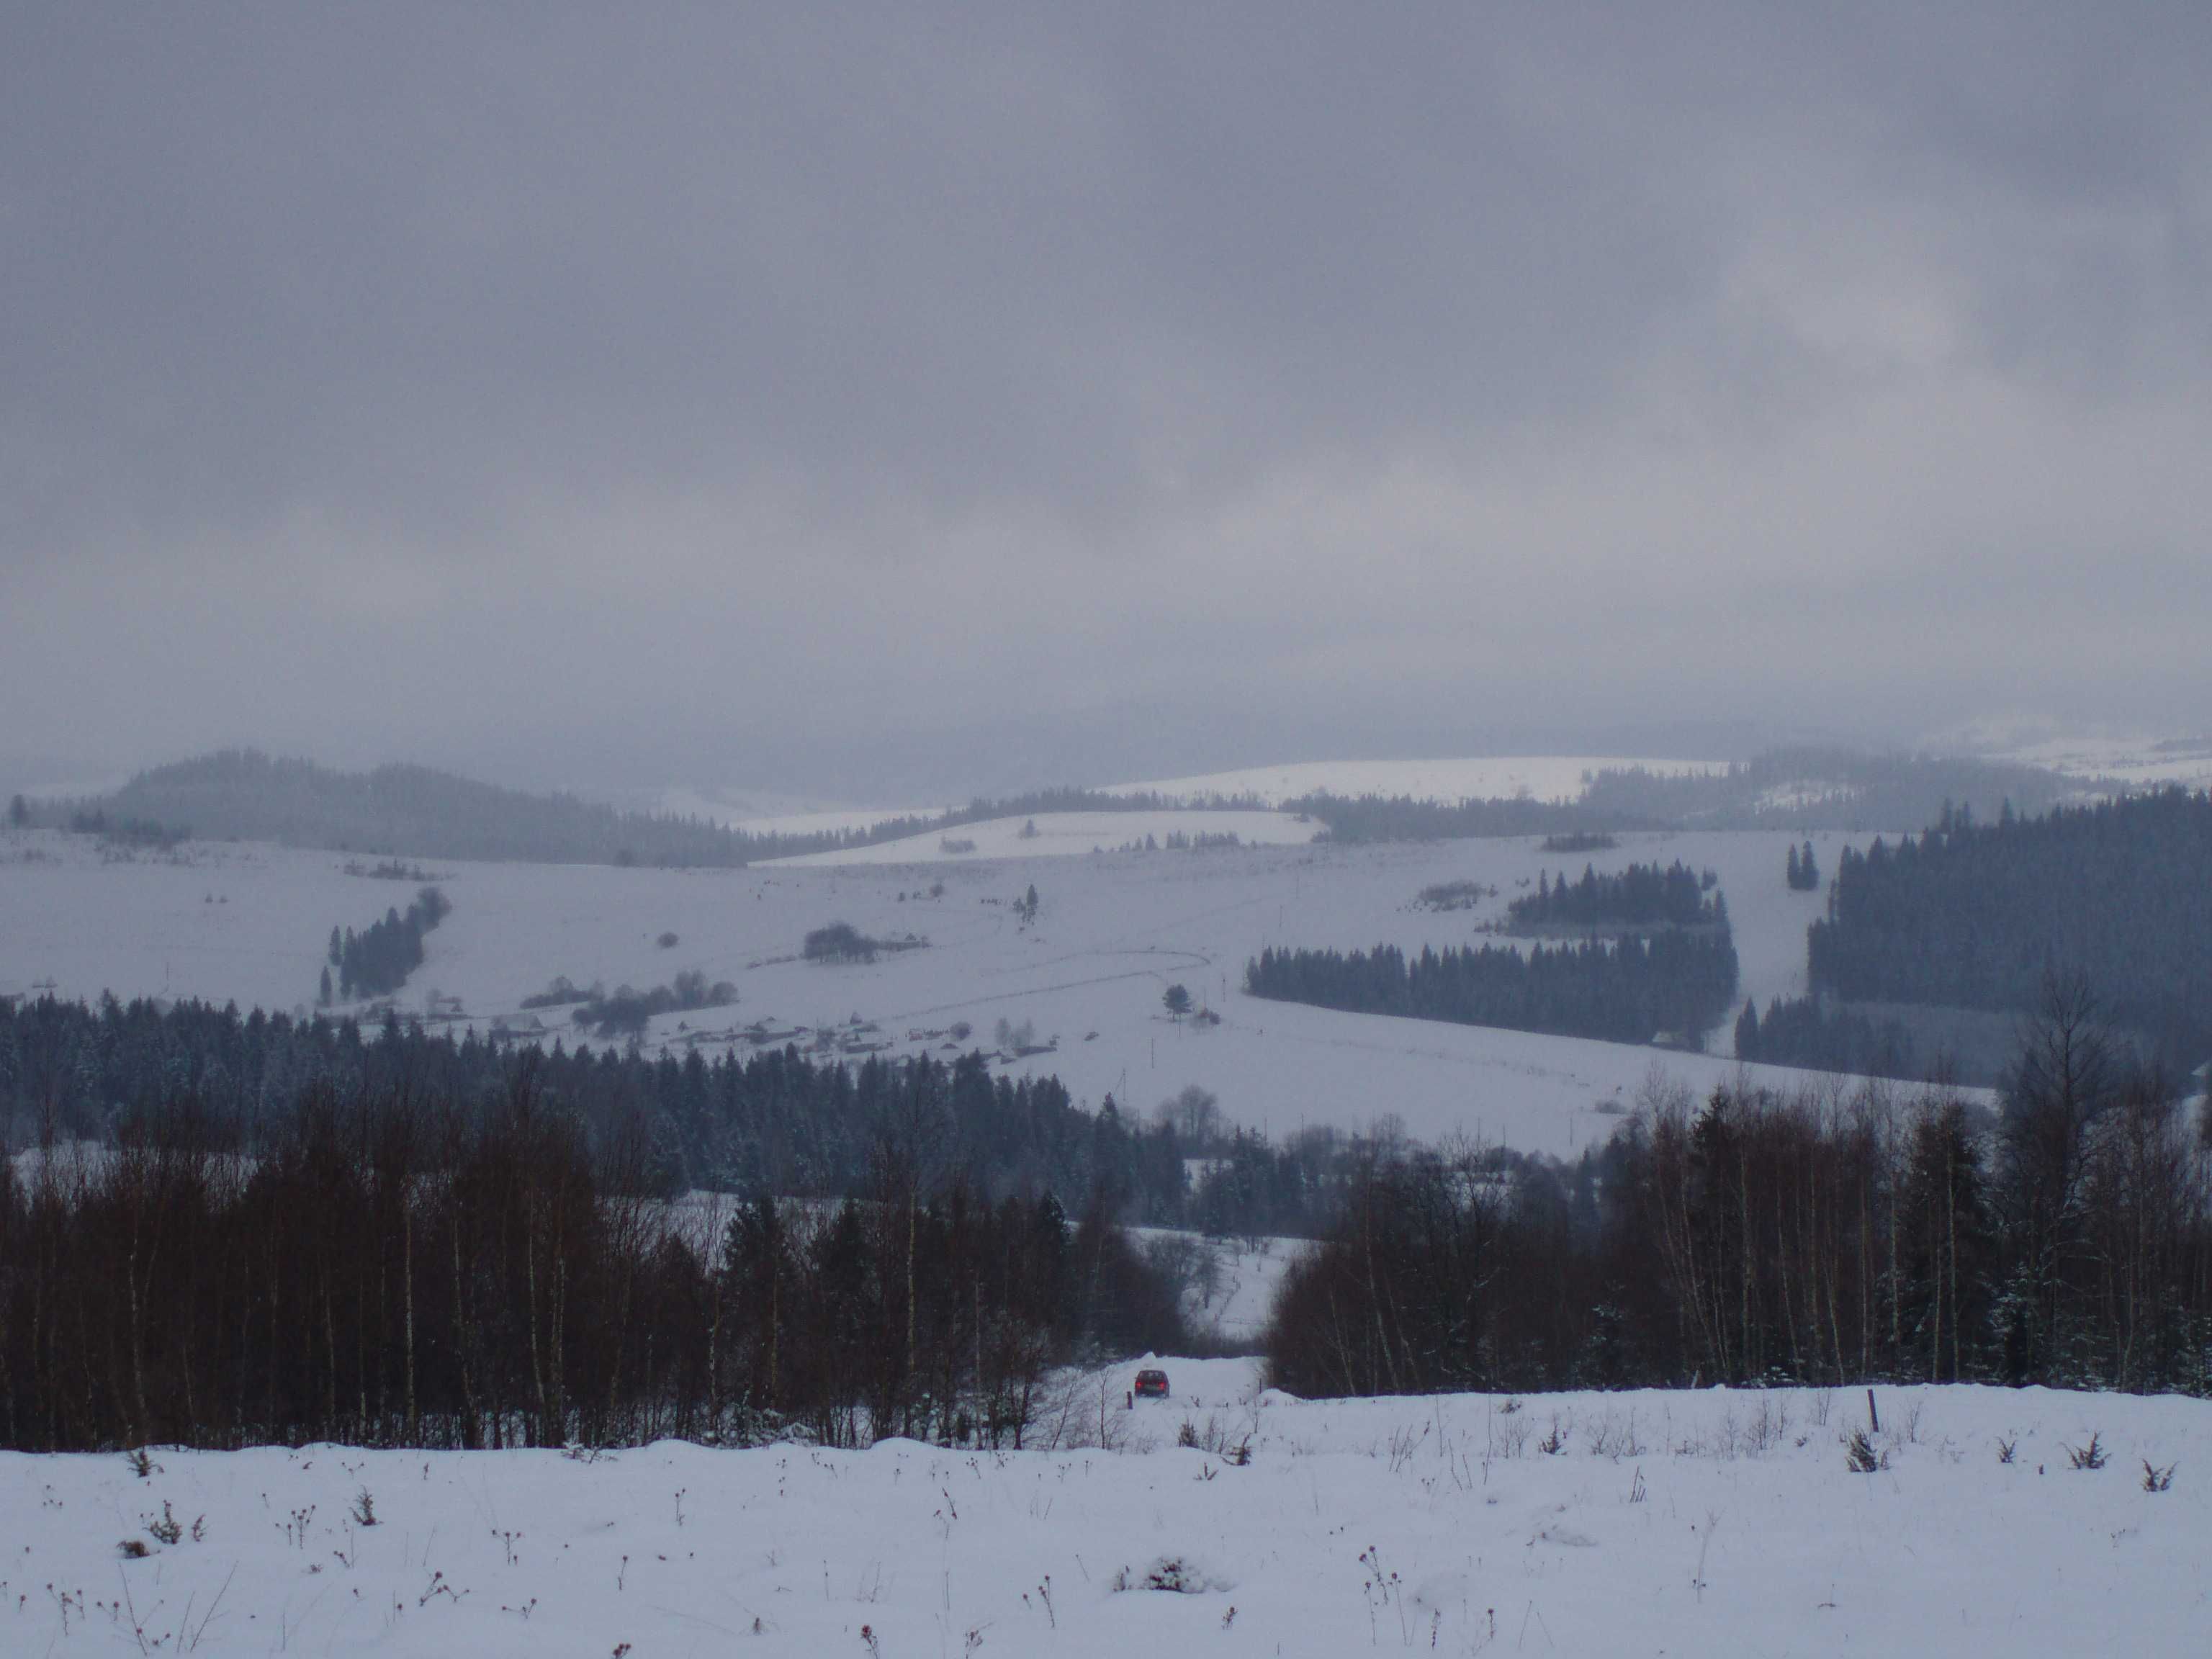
1697	1523
1541	777
250	923
780	815
1064	835
1487	777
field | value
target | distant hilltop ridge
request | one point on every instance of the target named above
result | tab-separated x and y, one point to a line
404	809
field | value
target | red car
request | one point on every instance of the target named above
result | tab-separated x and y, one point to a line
1151	1385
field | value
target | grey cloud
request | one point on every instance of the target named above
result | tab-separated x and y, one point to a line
585	392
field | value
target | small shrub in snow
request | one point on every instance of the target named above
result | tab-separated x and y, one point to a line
134	1549
364	1508
2156	1478
2091	1456
1862	1456
1175	1575
168	1529
2007	1450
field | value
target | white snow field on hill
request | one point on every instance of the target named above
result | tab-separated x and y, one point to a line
1486	777
1062	835
1704	1523
250	924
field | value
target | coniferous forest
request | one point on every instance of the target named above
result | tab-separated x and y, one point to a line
1674	983
377	961
1827	1037
1980	914
1642	896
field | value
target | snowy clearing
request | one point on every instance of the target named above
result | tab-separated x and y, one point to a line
1228	1284
1710	1522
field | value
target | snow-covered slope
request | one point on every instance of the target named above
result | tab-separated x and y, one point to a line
1706	1523
1113	931
1063	835
2134	760
1486	777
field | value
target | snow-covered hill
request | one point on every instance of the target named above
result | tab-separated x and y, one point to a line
250	924
1486	777
1709	1523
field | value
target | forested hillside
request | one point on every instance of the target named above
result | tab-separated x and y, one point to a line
1824	789
421	812
778	1122
1983	915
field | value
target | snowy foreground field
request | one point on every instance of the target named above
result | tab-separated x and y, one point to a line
1696	1524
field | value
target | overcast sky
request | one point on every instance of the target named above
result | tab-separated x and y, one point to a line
796	394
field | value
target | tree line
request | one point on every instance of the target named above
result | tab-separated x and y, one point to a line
387	1268
1642	896
1816	787
1977	914
1821	1238
1630	990
1826	1036
1402	817
774	1120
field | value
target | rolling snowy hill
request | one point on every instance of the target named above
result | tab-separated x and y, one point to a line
1082	982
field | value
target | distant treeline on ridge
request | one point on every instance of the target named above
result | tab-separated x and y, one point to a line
419	812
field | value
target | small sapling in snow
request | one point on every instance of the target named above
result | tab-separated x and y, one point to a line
2091	1456
2156	1478
364	1508
168	1529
